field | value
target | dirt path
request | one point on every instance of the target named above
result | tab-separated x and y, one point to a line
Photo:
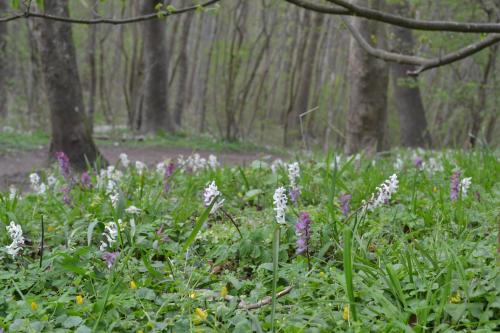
16	166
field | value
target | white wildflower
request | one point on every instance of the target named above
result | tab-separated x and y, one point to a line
277	163
36	185
12	192
212	161
398	165
161	167
133	210
385	191
124	160
280	201
210	194
114	197
110	234
16	234
51	181
464	185
293	173
140	166
34	179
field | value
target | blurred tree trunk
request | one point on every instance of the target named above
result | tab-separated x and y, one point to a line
35	104
180	102
70	132
155	109
477	112
305	79
3	63
91	44
412	121
368	79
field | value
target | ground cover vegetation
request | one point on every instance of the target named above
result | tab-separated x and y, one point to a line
398	243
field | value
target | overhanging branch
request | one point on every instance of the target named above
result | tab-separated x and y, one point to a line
422	64
157	15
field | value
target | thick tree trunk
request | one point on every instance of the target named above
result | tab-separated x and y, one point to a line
180	102
413	123
93	73
3	63
155	110
368	79
70	133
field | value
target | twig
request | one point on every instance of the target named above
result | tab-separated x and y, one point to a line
244	305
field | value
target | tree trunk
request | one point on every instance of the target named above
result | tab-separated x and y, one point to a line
412	121
368	79
93	72
155	110
70	133
180	102
3	63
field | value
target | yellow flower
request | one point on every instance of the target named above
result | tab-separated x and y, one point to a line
200	314
435	189
192	295
223	292
34	306
455	298
79	299
50	228
133	285
345	314
322	275
140	331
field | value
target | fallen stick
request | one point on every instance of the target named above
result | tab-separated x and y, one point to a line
244	305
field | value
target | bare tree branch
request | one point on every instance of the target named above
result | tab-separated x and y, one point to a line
372	14
320	8
422	63
157	15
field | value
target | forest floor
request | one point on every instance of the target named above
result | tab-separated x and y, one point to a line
16	165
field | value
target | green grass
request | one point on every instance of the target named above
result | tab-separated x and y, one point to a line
418	263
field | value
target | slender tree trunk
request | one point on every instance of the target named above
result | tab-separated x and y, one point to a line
3	63
70	132
368	79
180	102
93	72
155	110
412	120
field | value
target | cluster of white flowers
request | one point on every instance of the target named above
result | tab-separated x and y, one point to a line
432	165
51	181
276	164
110	234
133	210
140	167
16	234
160	168
110	178
383	195
210	194
124	160
213	162
293	173
280	201
196	163
12	192
37	186
465	183
398	164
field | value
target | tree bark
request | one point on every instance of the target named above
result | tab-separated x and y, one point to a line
368	79
70	132
180	102
3	63
412	120
155	110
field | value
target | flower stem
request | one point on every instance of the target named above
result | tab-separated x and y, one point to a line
276	249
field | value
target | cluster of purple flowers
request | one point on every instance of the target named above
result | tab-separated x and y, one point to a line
63	160
169	170
303	231
109	258
344	201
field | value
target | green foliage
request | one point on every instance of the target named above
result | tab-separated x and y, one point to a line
418	263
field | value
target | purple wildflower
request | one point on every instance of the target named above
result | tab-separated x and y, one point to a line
63	160
85	180
109	258
303	231
418	162
66	197
344	201
294	194
455	185
169	170
163	237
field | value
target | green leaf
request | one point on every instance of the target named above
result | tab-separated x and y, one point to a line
199	223
72	321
